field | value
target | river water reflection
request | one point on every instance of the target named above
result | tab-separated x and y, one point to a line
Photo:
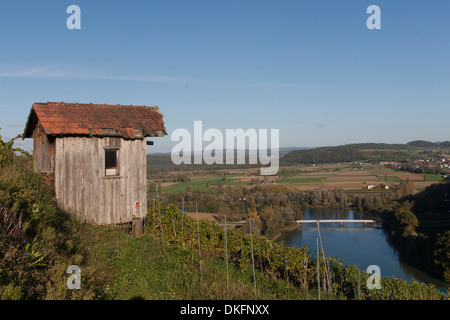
355	243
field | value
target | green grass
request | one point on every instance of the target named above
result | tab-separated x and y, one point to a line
202	183
382	171
391	179
143	268
430	177
433	177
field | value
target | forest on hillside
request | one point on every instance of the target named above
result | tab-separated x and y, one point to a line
323	155
360	152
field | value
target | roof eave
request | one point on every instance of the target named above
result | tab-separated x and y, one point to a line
29	126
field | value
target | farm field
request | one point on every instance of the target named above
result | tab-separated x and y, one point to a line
205	181
306	178
211	217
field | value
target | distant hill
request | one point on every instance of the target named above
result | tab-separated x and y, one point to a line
359	152
356	152
323	155
428	144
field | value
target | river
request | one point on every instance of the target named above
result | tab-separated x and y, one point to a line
356	244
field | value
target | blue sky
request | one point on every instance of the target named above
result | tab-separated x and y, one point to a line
311	69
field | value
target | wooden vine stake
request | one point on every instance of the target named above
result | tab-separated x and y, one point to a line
287	271
198	232
317	258
242	251
153	218
253	258
327	282
159	212
182	218
260	259
226	251
359	285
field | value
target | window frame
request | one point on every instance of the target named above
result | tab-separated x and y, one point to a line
105	172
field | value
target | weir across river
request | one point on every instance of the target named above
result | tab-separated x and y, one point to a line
341	221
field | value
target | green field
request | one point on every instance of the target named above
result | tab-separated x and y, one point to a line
391	179
419	178
303	179
433	177
320	176
202	183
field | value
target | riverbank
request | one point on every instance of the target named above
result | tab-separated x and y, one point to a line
429	252
418	226
293	226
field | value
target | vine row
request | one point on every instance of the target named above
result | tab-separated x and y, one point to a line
294	264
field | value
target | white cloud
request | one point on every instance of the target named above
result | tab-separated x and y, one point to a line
18	125
59	72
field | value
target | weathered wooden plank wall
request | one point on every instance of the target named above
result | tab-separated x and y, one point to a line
83	189
43	151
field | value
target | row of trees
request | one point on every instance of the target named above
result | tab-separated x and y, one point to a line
163	162
177	177
273	207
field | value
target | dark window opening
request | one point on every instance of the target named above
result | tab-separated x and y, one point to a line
111	163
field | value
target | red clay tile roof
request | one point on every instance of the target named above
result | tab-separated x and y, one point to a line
129	122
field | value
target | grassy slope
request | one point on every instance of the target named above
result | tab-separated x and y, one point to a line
36	253
141	268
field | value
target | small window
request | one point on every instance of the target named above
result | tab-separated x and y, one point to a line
111	163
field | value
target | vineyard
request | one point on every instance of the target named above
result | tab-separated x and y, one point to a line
299	269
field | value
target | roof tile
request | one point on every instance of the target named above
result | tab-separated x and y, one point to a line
60	118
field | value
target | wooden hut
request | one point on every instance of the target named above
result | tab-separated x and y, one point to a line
96	155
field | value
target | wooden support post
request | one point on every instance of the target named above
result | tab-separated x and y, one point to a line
137	226
253	256
182	218
226	251
199	249
318	271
